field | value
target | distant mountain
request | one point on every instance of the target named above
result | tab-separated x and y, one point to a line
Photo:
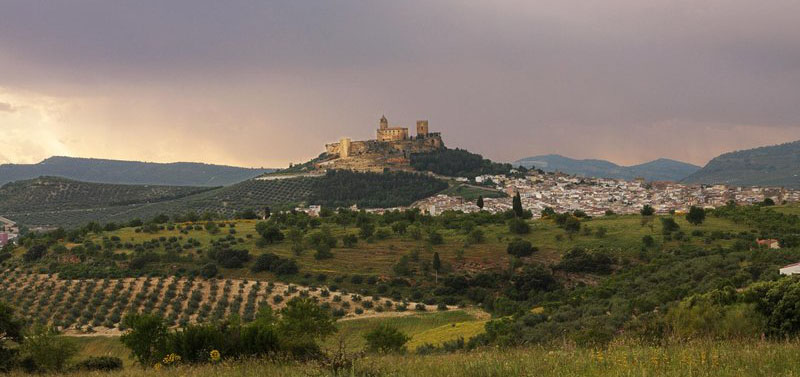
658	170
130	172
777	165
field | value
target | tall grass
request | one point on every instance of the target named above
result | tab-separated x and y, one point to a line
620	359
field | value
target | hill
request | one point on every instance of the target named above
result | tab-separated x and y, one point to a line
658	170
50	201
129	172
777	165
47	193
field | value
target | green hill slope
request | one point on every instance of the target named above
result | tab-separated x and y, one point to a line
777	165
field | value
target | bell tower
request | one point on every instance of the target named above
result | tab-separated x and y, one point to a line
422	128
384	123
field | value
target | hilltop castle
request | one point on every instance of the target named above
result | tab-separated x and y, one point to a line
391	148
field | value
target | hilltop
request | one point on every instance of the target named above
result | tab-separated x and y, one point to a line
657	170
129	172
777	165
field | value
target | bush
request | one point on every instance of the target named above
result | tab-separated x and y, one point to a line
475	236
34	253
579	260
101	363
518	226
520	248
275	264
208	271
146	337
386	339
47	351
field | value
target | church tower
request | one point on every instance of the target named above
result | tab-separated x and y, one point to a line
384	123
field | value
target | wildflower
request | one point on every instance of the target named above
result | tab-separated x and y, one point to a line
157	366
215	356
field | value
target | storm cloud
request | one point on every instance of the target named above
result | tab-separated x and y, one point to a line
268	83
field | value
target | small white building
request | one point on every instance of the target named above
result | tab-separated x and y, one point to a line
792	269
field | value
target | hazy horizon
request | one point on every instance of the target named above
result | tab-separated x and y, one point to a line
269	83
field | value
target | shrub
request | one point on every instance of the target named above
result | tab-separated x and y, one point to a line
520	248
101	363
48	351
518	226
386	339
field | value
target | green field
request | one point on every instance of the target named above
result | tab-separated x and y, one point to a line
719	359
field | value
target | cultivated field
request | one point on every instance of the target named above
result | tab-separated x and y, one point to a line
97	306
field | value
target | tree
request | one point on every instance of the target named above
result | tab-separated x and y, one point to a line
520	248
768	202
437	265
647	210
303	320
35	253
366	229
668	225
480	201
648	241
49	351
517	205
10	330
696	215
386	339
145	336
269	232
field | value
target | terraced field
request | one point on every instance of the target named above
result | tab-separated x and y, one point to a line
61	202
48	193
98	305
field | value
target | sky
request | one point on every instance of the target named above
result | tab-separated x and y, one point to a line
267	83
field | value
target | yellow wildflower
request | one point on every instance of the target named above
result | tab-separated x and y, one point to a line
215	356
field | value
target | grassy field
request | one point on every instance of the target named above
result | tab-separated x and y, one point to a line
423	328
471	193
752	359
432	328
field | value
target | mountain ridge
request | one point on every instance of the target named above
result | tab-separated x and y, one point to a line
772	165
130	172
662	169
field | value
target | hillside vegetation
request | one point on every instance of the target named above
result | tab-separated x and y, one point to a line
129	172
46	193
457	163
602	290
777	165
61	202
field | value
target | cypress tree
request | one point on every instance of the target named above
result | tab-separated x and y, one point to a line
517	205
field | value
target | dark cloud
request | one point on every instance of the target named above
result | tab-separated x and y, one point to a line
6	107
621	79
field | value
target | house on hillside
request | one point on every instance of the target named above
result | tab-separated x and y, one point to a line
769	243
792	269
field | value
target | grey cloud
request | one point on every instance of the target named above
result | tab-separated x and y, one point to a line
505	78
7	107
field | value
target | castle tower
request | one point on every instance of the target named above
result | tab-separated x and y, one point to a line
422	128
344	148
384	124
